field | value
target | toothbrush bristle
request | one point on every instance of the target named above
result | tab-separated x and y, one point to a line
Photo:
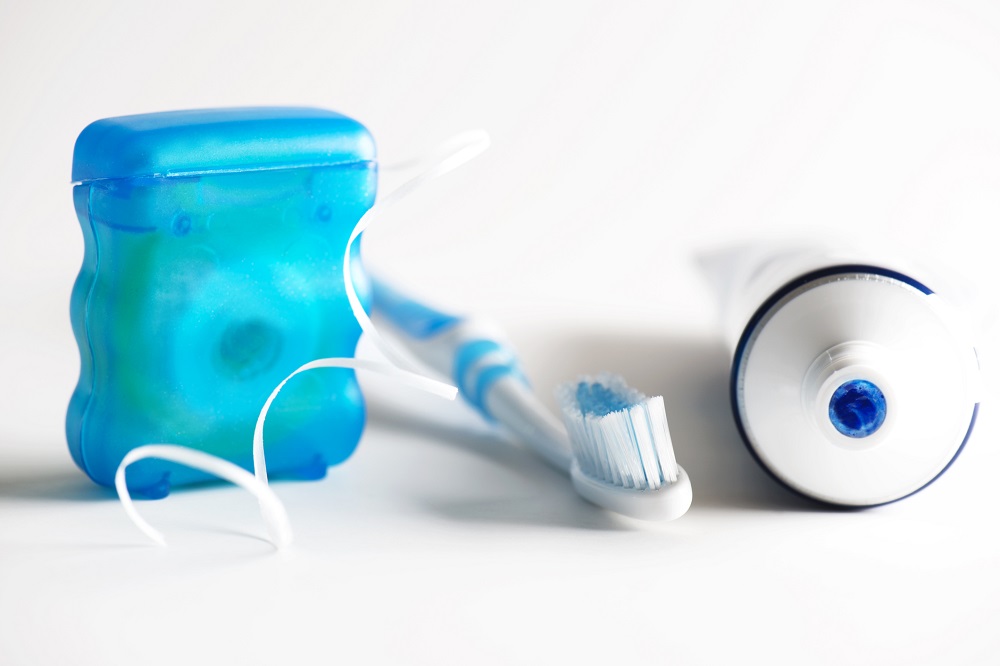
618	434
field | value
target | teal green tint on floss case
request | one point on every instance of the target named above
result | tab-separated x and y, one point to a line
213	252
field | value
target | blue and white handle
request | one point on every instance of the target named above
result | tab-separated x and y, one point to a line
483	366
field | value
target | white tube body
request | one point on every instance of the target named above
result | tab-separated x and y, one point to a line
855	379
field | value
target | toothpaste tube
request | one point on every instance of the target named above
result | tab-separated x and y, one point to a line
854	378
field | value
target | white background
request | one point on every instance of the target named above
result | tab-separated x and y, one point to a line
627	137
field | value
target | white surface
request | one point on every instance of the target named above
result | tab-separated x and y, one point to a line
625	139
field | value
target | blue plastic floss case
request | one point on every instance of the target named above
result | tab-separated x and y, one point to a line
213	250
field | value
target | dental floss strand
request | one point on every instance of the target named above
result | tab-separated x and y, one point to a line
453	153
273	511
465	147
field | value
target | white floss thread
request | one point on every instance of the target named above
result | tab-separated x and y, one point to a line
451	154
461	148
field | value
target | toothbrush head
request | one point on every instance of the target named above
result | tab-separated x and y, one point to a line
623	458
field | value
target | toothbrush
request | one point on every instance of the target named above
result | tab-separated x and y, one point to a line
613	441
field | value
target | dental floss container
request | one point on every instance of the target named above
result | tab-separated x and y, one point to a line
854	380
213	248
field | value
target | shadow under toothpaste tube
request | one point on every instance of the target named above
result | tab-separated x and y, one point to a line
854	380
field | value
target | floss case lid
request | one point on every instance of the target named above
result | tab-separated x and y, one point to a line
202	141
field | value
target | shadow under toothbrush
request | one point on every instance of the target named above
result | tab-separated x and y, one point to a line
515	488
692	375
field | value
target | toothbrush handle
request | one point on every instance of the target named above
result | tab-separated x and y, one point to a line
467	351
514	404
483	367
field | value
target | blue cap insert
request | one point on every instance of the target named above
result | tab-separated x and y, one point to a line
857	408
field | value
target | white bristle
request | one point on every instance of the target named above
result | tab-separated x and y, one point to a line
629	447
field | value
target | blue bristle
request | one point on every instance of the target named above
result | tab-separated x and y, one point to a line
595	399
618	435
